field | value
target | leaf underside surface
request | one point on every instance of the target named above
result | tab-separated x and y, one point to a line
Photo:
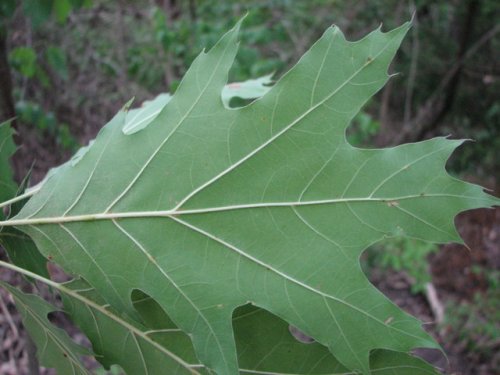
207	208
263	340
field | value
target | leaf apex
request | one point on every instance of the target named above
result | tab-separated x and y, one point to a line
413	17
127	105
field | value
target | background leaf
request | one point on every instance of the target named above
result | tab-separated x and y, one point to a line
20	247
137	352
54	347
24	60
38	11
57	60
61	9
7	149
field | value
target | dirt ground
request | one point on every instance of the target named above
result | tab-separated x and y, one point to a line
466	281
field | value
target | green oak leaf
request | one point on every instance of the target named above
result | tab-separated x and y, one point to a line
265	344
22	251
20	248
208	208
7	148
118	340
54	347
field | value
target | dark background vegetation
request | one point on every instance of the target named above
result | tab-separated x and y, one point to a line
66	66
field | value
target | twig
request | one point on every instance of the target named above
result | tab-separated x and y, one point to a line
436	305
471	51
5	312
429	111
33	364
8	317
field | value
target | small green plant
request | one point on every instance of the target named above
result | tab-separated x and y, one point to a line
46	123
23	59
363	128
404	254
475	326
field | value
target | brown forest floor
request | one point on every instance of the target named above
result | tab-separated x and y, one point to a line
454	276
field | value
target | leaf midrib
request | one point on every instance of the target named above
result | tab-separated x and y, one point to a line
174	213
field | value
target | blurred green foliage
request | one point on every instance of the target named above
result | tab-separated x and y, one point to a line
40	11
56	58
362	130
74	53
23	59
46	124
476	326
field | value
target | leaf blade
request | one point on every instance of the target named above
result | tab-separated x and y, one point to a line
54	347
7	149
267	203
